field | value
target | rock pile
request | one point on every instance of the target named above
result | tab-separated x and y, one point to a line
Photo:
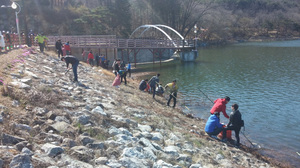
52	122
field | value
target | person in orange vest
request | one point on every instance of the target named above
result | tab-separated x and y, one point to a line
220	106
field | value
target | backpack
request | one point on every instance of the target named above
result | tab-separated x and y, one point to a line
242	124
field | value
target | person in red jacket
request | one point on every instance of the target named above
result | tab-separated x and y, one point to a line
67	48
91	58
220	106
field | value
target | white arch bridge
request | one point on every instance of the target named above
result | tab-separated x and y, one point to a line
155	38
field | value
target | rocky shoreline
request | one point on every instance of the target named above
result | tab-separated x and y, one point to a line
48	121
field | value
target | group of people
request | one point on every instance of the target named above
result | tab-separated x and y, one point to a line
62	49
213	126
97	59
120	70
153	86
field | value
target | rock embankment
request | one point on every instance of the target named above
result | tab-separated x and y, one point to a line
48	121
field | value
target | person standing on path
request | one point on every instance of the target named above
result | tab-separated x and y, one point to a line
41	39
173	92
153	82
58	46
74	61
220	106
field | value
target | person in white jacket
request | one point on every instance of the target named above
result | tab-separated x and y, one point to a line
2	42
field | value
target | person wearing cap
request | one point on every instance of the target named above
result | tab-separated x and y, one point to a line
213	126
58	46
173	92
220	106
74	61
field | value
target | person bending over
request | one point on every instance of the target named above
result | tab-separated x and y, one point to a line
220	106
74	61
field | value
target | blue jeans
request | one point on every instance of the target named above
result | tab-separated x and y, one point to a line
74	67
216	131
153	90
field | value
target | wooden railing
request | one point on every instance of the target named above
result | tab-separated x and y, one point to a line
99	41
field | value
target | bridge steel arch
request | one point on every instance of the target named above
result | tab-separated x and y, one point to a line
158	28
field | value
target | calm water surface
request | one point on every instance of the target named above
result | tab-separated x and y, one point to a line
263	78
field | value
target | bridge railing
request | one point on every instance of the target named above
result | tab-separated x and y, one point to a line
113	42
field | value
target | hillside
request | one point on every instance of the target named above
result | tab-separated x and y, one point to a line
46	120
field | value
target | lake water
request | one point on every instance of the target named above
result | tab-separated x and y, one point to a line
263	78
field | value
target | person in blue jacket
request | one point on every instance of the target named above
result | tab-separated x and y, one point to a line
213	125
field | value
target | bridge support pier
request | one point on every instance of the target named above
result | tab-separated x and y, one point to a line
188	55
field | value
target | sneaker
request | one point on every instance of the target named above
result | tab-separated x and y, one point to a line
213	136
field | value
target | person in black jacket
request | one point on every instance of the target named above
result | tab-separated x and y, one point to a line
58	46
74	61
235	123
143	84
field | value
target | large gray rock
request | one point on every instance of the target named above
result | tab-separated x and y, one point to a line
42	160
172	150
62	126
84	119
101	161
67	142
20	85
85	140
129	162
82	153
21	161
10	139
52	150
196	166
162	164
99	110
69	162
144	128
96	145
40	111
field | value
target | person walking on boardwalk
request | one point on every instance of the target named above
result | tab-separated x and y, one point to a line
220	106
235	123
153	82
74	61
67	48
173	92
58	46
91	58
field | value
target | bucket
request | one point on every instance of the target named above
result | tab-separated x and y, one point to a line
228	134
